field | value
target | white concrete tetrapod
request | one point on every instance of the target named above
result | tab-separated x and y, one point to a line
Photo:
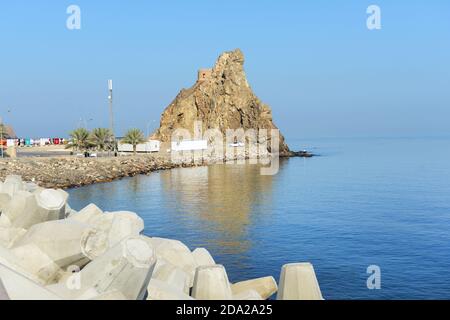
19	287
176	253
8	259
127	268
4	200
110	295
8	236
87	214
3	293
298	282
265	287
211	283
172	275
118	225
247	295
202	257
160	290
38	263
12	184
52	204
61	240
21	211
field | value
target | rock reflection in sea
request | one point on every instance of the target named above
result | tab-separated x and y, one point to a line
223	198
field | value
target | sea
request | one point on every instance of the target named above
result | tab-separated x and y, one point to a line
359	205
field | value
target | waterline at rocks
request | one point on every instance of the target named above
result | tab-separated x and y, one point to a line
69	172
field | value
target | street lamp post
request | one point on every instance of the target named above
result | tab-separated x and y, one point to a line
111	115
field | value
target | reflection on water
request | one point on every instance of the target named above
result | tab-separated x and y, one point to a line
223	197
217	207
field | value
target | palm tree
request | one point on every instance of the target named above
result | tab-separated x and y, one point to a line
133	137
79	139
101	138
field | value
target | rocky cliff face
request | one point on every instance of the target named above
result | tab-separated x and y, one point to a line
8	132
221	99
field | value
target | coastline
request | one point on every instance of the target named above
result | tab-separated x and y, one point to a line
71	172
66	172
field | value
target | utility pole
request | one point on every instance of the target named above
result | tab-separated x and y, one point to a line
111	115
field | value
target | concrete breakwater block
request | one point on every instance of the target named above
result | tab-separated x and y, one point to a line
20	211
4	200
19	287
211	283
176	253
161	290
126	268
118	225
110	295
3	292
36	262
8	236
298	282
265	287
52	204
63	247
8	259
12	184
202	257
105	229
87	214
176	277
26	209
247	295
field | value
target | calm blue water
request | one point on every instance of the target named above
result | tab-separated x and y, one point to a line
362	202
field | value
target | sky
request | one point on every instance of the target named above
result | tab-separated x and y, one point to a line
318	66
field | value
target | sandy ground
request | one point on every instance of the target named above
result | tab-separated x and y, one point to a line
59	151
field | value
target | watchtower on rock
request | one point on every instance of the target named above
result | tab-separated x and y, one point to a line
204	74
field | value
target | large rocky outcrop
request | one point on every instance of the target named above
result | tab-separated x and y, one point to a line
221	99
7	131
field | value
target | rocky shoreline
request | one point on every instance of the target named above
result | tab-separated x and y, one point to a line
49	251
70	172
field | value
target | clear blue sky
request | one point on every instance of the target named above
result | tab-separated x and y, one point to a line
314	62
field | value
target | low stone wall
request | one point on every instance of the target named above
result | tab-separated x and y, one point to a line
49	251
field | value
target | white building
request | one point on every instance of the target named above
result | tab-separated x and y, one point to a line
149	146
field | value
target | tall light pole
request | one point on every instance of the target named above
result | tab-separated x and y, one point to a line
111	115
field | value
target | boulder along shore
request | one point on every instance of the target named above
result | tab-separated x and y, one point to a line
70	172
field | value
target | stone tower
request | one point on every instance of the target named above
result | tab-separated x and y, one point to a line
204	74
